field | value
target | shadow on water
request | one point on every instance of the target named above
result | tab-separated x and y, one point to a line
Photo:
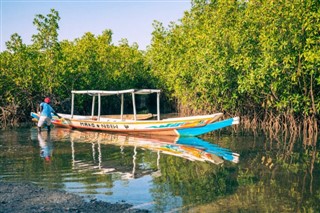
168	174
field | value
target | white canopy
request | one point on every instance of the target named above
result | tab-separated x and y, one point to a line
116	92
100	93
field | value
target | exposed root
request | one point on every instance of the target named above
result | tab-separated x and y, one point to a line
285	126
8	116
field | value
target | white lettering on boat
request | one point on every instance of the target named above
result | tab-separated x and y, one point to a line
106	126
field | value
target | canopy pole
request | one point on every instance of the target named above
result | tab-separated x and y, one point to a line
99	106
134	106
92	107
122	106
72	104
158	106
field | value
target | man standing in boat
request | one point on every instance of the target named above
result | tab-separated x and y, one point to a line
45	116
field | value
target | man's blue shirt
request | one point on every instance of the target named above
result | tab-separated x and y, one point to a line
46	110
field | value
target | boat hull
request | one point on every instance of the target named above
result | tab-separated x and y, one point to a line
162	127
209	127
56	121
184	126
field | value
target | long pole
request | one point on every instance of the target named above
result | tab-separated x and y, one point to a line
122	106
92	109
72	104
99	106
134	106
158	106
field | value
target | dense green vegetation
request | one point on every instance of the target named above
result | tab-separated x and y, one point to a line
256	59
253	58
52	68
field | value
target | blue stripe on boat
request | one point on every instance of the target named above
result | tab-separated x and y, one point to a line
208	127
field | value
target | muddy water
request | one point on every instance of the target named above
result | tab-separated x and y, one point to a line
225	173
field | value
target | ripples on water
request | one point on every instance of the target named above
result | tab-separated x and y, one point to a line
165	174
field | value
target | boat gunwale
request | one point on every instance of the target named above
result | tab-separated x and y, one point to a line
168	120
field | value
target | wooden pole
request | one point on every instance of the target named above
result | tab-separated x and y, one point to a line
134	106
158	106
92	107
122	106
72	104
99	106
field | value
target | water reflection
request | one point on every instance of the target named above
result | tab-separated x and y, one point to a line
190	148
143	170
46	147
271	176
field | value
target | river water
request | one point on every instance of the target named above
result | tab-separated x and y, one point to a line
220	173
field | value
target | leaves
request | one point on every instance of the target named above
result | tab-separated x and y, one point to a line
51	68
235	55
243	57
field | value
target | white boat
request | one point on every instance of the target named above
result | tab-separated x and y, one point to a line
179	126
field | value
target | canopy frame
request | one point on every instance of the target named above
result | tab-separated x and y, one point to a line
99	93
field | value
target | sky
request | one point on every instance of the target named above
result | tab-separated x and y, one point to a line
129	19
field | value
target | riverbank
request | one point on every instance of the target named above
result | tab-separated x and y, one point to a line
27	197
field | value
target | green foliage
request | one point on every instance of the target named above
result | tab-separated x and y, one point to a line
51	68
241	56
47	27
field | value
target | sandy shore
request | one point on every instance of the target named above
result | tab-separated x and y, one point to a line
27	197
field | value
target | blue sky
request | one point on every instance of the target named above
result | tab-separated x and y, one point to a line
130	19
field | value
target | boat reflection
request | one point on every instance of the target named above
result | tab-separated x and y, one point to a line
191	148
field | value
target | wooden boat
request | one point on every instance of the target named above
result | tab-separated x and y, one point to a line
179	126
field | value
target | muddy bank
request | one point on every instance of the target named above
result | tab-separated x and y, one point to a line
27	197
